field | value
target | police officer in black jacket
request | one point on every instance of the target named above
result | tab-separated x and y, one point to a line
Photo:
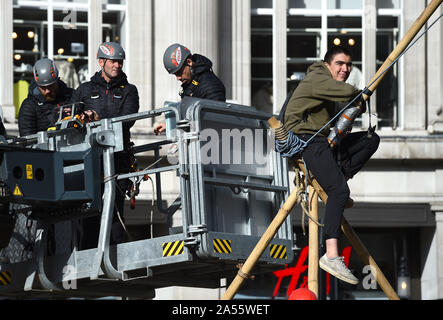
195	73
47	93
111	95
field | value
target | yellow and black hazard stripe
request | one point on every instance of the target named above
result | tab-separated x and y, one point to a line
278	251
5	278
222	246
173	248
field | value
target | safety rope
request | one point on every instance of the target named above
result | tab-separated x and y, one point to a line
291	146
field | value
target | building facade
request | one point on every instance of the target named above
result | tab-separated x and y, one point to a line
261	50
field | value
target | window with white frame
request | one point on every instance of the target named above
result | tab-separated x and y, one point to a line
58	29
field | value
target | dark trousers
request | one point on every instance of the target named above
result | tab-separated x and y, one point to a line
333	167
91	226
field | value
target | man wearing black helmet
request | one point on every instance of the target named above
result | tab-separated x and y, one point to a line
47	93
111	95
195	73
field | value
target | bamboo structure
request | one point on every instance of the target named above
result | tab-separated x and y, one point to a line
313	243
246	269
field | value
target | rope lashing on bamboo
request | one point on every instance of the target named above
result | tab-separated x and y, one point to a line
288	144
302	199
242	274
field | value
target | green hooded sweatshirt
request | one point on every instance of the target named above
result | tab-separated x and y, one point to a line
313	103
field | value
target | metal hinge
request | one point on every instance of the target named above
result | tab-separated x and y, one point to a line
194	231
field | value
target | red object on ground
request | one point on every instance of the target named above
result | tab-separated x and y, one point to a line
302	294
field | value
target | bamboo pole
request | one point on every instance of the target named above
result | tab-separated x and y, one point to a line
313	243
367	259
404	43
245	270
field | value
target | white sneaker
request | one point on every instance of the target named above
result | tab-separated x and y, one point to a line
338	269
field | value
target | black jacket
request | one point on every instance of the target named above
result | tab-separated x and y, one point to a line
206	84
36	114
114	99
2	129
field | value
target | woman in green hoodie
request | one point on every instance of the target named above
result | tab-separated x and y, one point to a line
314	103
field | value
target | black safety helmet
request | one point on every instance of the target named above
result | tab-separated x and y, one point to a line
111	51
175	57
45	72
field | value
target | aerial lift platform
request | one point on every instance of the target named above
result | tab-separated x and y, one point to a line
232	183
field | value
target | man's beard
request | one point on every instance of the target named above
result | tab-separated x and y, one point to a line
111	76
50	98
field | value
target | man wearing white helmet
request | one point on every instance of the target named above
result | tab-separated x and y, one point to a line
111	95
47	93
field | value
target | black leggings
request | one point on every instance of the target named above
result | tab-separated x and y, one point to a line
333	167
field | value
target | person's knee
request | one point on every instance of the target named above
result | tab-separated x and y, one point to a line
345	192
